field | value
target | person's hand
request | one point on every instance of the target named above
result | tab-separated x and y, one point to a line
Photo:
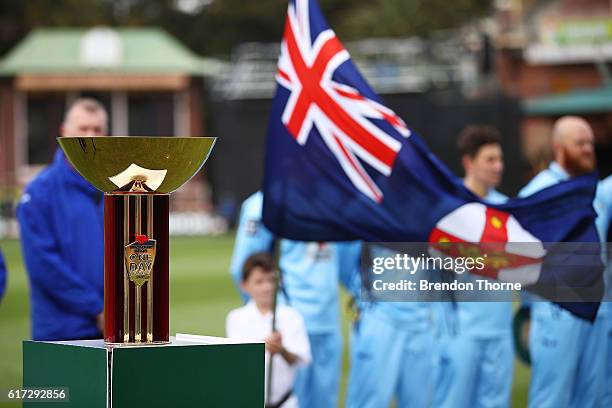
274	343
100	322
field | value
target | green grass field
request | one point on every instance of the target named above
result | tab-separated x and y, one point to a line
201	292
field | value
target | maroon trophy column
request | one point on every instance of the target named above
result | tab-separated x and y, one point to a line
136	237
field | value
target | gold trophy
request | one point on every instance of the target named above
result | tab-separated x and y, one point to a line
137	175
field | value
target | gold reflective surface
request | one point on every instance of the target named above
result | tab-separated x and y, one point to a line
115	164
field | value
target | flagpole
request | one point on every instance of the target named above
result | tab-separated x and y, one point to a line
270	366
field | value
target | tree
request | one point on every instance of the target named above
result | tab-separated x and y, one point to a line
219	25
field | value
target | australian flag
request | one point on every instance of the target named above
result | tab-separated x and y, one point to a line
340	166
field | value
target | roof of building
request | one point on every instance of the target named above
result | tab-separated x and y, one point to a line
584	101
104	50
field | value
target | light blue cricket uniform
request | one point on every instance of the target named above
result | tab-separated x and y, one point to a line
310	272
603	206
567	368
251	237
476	350
393	353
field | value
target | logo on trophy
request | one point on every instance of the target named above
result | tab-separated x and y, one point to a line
139	259
137	175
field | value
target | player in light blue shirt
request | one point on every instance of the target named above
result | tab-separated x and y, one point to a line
251	237
603	207
567	353
310	273
393	350
476	349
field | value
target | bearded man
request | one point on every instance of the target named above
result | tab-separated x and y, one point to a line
567	353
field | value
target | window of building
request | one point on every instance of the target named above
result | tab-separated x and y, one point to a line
151	113
44	118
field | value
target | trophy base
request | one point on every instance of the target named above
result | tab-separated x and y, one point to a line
184	374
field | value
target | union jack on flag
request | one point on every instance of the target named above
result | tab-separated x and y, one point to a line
327	93
341	166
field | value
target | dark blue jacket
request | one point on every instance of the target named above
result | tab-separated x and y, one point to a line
2	275
62	236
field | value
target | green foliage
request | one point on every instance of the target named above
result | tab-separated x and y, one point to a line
401	18
217	27
18	17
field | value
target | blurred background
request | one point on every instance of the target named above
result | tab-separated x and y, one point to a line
206	67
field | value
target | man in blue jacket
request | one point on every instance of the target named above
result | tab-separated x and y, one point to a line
62	236
310	274
2	276
567	353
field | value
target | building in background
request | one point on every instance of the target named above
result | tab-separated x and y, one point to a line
555	57
150	84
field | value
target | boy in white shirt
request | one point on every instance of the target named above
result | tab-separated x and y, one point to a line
288	344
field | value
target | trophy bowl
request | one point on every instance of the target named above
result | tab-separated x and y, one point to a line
113	164
137	175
